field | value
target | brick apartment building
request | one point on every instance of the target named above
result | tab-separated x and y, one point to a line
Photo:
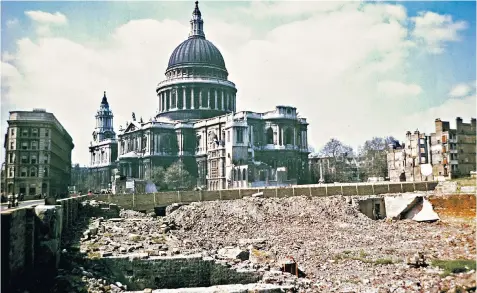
446	153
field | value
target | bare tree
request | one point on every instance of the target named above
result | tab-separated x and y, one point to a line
373	156
335	148
337	168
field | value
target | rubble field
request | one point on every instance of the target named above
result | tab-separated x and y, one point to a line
336	248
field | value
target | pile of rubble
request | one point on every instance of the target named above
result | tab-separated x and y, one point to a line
335	247
333	243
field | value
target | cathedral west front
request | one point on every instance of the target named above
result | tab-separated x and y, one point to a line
197	124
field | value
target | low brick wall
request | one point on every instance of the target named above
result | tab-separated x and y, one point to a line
31	238
147	202
174	272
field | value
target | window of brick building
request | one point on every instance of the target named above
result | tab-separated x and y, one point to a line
45	172
10	158
47	132
33	172
24	131
12	145
11	172
45	161
24	145
32	191
33	159
24	159
23	172
34	132
12	131
34	145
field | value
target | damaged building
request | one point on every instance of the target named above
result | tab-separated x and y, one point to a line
444	154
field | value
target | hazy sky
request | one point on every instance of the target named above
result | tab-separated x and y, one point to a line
354	69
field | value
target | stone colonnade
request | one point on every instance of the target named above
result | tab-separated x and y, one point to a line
196	97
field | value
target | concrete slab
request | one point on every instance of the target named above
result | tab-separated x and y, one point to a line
427	213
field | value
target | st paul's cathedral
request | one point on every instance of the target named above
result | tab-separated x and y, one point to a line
197	124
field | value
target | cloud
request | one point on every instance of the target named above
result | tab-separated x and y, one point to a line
435	29
333	65
42	17
45	20
461	90
396	88
11	23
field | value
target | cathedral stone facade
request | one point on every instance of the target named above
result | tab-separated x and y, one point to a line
197	124
103	148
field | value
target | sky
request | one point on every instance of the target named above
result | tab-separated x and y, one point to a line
355	70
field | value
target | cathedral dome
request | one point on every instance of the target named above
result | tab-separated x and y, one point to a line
196	51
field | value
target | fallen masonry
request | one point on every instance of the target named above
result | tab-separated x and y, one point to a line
245	245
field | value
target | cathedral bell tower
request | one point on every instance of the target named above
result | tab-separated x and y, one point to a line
104	122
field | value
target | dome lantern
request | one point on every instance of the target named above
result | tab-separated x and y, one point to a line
196	23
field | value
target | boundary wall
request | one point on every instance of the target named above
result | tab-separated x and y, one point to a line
31	241
146	202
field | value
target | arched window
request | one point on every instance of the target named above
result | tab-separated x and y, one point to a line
244	174
269	135
236	175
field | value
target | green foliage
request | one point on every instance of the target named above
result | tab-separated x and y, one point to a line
177	177
156	175
455	266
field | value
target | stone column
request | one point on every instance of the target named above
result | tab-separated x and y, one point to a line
208	98
161	104
294	136
184	100
223	100
227	101
200	98
192	98
215	106
170	98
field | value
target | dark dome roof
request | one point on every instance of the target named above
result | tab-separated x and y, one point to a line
196	51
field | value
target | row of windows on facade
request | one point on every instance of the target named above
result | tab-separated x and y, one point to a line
25	145
27	159
239	132
195	72
34	132
133	144
27	172
100	157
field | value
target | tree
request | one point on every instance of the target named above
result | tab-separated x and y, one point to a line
338	168
335	148
177	177
373	156
157	176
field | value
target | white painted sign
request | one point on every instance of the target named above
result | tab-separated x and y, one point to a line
130	184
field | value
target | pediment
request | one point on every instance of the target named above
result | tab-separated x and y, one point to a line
133	126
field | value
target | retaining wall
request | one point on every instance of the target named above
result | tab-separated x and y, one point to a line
31	240
174	272
146	202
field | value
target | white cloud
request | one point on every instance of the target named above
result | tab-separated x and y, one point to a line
328	66
397	88
435	29
461	90
42	17
45	20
